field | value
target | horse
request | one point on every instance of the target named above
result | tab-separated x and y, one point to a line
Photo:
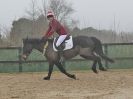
89	48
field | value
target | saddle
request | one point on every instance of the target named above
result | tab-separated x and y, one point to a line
65	45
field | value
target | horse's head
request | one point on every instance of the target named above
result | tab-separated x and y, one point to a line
29	44
27	48
33	43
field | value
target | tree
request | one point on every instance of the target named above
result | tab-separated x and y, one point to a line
33	14
61	9
44	9
36	24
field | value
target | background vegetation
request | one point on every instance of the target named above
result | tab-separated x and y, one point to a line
35	24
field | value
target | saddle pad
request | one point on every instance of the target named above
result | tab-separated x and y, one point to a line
68	44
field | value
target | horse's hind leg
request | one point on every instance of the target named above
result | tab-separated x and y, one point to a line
93	58
101	66
62	69
94	67
50	71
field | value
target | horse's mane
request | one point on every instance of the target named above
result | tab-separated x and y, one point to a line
36	40
31	40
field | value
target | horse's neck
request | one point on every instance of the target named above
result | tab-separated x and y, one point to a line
40	46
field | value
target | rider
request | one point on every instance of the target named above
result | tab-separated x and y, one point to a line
55	26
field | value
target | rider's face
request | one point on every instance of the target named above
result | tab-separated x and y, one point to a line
50	18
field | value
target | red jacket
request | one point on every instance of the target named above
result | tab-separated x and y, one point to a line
55	26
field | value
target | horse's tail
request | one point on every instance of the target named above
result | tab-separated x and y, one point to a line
98	50
107	58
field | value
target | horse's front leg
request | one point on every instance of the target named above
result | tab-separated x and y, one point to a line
51	65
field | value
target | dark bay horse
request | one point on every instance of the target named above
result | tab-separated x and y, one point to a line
89	48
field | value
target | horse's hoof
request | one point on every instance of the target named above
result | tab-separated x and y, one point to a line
46	78
94	70
102	69
74	77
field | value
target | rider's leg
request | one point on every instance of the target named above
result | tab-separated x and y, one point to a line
60	40
60	49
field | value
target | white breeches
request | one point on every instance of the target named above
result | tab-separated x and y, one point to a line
60	40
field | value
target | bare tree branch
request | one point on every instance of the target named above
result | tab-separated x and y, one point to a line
33	11
61	9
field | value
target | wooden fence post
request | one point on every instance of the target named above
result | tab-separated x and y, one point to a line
20	60
106	53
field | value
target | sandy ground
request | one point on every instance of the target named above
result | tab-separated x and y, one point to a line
113	84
